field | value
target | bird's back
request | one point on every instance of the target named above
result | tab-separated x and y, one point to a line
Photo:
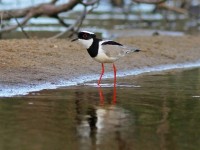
116	50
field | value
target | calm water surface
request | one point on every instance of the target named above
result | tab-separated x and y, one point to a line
153	112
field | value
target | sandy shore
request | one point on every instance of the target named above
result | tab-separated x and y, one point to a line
30	62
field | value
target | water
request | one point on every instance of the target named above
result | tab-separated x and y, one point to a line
155	111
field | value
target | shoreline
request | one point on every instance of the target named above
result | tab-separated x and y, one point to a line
22	90
37	64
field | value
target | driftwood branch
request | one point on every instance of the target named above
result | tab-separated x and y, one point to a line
174	9
46	9
149	1
161	4
85	12
53	1
89	3
61	21
10	28
21	27
70	28
1	20
76	26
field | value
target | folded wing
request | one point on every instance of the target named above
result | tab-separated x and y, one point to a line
117	50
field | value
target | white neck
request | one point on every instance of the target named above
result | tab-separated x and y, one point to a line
86	43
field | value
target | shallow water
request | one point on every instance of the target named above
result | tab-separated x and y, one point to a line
159	111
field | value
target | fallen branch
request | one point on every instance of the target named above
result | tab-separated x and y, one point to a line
85	12
54	1
71	27
89	3
149	1
79	21
174	9
47	9
21	27
1	20
163	5
10	28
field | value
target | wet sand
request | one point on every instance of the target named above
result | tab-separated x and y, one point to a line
35	61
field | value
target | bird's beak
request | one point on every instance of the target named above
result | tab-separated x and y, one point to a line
74	40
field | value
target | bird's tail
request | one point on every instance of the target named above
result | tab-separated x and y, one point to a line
132	49
136	50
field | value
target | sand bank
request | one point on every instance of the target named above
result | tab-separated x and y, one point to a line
31	62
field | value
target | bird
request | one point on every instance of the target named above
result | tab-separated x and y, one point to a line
103	51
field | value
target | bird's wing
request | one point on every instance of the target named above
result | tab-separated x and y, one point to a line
116	50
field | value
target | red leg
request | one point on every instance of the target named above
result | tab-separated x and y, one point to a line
101	96
114	100
102	72
115	73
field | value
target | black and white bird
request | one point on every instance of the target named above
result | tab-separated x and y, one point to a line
103	51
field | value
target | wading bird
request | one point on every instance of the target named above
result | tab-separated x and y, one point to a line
103	51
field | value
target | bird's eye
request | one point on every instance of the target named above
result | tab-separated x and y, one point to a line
84	36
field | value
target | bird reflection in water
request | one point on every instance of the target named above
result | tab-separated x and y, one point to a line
104	122
101	96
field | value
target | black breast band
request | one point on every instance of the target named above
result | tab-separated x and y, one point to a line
93	49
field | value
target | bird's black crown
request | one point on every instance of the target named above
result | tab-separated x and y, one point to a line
86	35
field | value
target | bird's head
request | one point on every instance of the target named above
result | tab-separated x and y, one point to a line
86	38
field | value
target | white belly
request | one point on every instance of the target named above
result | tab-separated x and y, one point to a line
103	58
